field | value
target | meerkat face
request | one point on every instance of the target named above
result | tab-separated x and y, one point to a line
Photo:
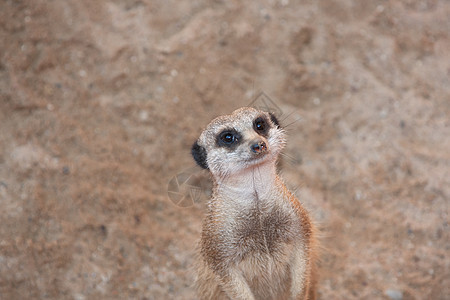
232	143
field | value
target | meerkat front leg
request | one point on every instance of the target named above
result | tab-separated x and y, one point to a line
298	275
236	287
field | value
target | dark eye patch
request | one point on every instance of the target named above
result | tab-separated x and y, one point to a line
261	126
228	138
274	120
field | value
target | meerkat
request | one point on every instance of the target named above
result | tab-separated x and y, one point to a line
257	242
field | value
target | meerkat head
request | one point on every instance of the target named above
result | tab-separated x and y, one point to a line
244	139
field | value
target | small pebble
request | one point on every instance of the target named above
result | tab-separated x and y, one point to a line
66	170
394	294
143	115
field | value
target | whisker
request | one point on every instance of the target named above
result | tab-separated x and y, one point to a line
295	121
287	116
295	189
290	158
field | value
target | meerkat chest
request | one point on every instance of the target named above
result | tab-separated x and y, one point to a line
264	242
263	231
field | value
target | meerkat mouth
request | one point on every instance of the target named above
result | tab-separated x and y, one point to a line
258	158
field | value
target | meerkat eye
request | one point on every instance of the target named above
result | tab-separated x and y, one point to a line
260	125
227	137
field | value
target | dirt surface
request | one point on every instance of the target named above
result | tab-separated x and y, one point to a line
100	102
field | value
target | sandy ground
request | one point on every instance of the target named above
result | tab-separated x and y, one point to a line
100	102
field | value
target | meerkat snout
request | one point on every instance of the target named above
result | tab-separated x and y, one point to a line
258	147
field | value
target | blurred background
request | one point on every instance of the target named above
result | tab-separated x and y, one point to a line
100	102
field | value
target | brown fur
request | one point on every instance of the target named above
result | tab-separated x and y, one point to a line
258	242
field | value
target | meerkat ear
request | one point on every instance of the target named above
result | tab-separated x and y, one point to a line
199	154
274	120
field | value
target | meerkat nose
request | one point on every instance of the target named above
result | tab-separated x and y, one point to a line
259	147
